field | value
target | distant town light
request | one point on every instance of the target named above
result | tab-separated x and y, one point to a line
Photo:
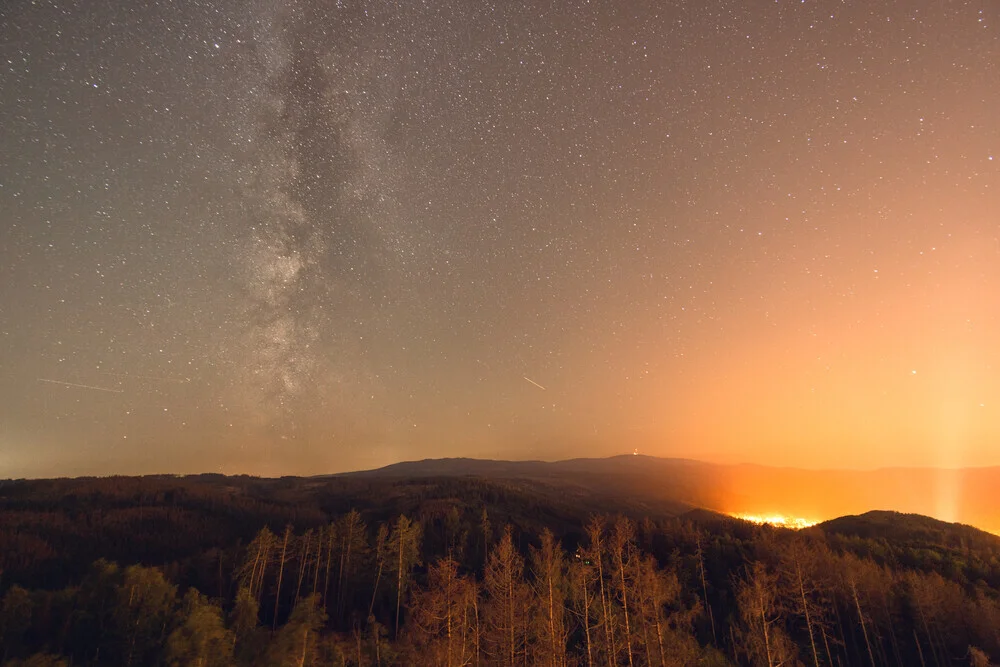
793	522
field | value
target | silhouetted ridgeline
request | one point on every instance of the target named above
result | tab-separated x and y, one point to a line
968	495
458	567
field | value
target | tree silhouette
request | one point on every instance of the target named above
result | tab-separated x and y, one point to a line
505	610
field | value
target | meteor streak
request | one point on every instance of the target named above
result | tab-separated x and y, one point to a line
533	382
81	386
146	377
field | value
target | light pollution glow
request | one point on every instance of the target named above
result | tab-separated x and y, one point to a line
801	497
793	522
284	237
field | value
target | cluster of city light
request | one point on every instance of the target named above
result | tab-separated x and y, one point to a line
793	522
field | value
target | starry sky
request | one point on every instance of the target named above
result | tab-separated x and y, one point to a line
305	236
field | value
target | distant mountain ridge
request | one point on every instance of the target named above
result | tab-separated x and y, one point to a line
969	495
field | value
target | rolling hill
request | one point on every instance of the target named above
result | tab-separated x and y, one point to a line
922	585
969	495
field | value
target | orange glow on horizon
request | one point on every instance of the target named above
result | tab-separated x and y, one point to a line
799	498
900	372
779	520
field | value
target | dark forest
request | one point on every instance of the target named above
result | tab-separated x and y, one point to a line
214	570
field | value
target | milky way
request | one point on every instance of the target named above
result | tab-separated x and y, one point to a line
299	237
327	233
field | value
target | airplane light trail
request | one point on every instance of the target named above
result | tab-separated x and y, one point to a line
81	386
533	382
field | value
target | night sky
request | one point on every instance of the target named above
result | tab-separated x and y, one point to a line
311	236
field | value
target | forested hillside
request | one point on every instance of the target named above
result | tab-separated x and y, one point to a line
469	571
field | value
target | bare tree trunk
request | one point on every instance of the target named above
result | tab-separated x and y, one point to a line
401	527
475	607
861	617
329	556
552	624
548	566
319	558
465	629
344	553
844	639
941	648
263	570
281	571
484	524
659	638
826	643
920	651
763	622
927	631
805	609
645	629
704	593
303	560
399	577
657	606
628	629
378	577
131	646
257	575
448	604
609	635
586	617
526	634
892	629
305	646
253	571
511	621
595	540
345	561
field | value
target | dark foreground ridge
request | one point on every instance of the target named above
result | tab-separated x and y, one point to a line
464	562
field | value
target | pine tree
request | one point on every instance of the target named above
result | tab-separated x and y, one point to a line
442	631
506	602
351	554
796	565
622	549
548	566
582	574
595	554
648	597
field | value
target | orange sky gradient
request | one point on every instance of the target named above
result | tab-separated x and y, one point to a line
738	233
